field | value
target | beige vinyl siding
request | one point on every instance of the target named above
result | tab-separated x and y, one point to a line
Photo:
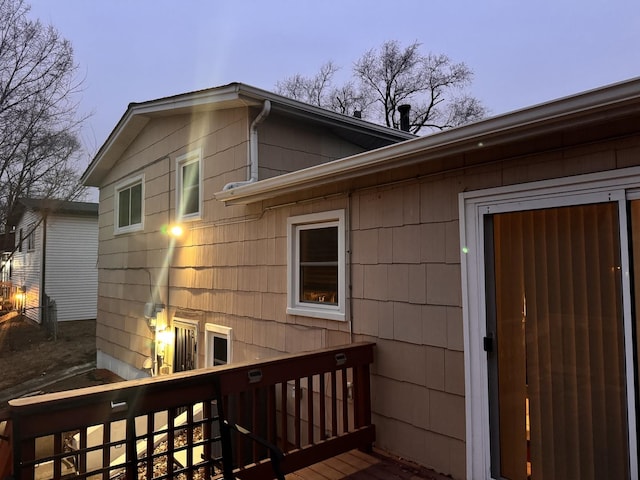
71	270
27	265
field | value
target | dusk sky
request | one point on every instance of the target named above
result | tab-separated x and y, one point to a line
522	53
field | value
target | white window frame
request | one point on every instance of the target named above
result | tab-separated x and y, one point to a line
619	186
120	186
181	161
212	331
294	305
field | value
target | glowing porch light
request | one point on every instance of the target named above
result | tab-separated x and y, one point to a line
165	338
176	231
172	230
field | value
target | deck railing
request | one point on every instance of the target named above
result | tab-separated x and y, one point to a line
309	406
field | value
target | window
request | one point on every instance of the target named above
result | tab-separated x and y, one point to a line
316	274
129	206
31	238
20	239
189	185
218	341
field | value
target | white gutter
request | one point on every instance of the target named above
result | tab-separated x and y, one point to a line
253	148
551	116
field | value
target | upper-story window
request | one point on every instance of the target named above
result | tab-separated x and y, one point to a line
316	274
31	238
129	208
189	185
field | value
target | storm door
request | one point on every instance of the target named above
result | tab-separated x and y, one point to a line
185	348
555	344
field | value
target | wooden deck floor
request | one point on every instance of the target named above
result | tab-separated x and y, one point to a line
357	465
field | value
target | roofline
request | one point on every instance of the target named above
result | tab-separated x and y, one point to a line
235	94
66	207
312	112
571	110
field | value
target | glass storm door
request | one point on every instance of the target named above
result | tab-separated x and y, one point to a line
556	344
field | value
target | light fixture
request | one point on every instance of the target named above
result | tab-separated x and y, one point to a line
176	230
164	338
151	311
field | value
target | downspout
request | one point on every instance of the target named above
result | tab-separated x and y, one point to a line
253	148
43	269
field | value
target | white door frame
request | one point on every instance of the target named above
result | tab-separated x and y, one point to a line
590	188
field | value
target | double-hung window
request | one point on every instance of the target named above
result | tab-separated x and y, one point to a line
316	273
189	185
129	212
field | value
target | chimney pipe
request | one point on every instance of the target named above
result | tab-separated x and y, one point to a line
404	117
357	113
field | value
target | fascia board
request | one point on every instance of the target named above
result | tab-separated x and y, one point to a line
316	114
579	109
139	114
228	96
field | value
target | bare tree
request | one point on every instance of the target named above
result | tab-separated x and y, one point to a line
389	77
313	90
39	126
319	90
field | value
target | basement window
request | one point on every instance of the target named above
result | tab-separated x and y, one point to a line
316	273
218	345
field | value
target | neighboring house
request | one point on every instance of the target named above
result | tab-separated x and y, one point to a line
56	256
493	265
7	290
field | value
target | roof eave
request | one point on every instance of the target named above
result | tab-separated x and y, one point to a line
232	95
138	115
551	116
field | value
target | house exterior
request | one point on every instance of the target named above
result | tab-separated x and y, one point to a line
493	265
56	256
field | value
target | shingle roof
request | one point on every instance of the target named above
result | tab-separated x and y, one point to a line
61	206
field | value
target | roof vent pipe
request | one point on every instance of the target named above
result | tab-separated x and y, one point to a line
404	110
253	148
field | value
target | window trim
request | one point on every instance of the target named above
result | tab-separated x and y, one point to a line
211	331
619	186
294	305
119	187
186	159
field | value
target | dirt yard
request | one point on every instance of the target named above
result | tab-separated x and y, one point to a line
27	352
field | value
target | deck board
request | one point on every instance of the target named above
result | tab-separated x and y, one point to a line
358	465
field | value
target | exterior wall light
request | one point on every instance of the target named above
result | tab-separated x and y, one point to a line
151	311
174	231
164	338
